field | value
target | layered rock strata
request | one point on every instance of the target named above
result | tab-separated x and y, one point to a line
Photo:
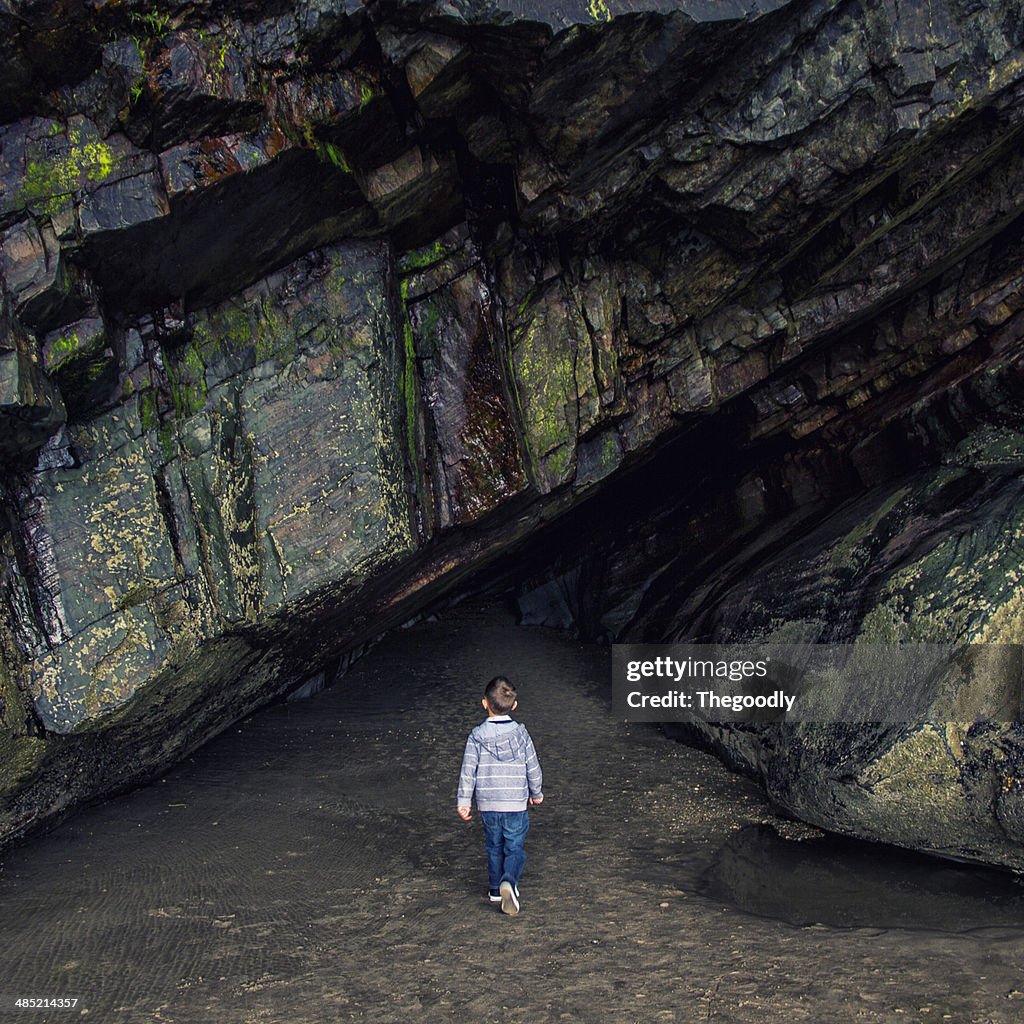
311	312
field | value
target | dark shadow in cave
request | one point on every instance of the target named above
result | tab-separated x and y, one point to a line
846	883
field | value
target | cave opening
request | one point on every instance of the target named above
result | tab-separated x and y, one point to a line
322	829
311	852
393	344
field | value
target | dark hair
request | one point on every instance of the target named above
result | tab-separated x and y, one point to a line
501	695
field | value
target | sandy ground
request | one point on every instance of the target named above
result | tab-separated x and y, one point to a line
308	866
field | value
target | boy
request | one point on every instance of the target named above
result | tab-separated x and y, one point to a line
501	766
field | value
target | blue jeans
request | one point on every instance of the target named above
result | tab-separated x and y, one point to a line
505	832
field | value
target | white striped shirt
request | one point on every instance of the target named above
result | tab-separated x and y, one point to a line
499	767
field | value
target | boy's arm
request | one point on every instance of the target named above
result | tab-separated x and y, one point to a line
534	776
467	779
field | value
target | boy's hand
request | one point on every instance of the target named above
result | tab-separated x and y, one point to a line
464	813
536	800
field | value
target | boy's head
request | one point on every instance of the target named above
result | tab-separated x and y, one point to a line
499	696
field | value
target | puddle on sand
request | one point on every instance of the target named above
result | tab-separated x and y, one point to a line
846	883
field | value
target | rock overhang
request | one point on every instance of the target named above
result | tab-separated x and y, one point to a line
312	312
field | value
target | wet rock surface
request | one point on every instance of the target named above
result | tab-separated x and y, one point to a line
924	557
311	314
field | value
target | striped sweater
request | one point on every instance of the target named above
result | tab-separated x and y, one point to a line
500	766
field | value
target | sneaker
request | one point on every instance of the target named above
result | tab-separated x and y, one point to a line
493	896
509	898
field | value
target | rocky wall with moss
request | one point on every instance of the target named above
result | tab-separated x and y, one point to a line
797	547
312	311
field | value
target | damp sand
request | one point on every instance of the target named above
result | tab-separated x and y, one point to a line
308	866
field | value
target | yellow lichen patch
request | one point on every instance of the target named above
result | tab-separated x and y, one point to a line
107	671
124	529
302	509
1005	72
1006	622
917	771
913	607
236	504
93	672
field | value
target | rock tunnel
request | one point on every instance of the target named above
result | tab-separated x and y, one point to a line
672	319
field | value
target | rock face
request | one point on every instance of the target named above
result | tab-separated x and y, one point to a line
310	314
926	556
